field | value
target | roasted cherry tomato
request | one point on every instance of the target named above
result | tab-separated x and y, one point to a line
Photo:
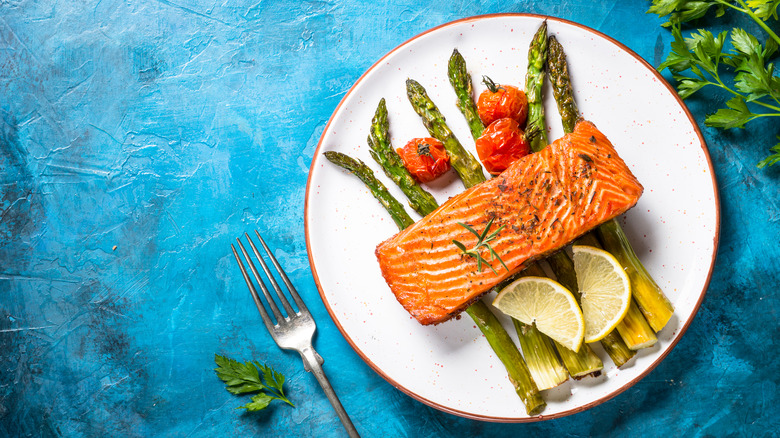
425	158
501	102
501	144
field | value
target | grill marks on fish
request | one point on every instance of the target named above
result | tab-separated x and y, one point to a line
544	201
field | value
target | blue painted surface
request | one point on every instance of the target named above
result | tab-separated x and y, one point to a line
137	139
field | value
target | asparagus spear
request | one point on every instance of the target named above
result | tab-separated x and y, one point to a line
561	85
613	344
460	80
469	168
544	364
489	325
539	350
359	169
652	302
470	171
560	262
649	297
633	330
534	79
507	352
584	362
379	142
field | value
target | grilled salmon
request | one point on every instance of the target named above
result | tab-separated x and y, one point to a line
540	203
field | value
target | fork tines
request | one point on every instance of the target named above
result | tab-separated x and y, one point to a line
290	312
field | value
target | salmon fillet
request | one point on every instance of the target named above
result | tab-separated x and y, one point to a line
544	201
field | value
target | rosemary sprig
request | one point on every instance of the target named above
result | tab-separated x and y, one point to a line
483	242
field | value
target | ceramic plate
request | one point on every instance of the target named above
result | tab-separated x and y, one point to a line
674	227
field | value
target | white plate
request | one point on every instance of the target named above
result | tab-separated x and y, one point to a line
674	227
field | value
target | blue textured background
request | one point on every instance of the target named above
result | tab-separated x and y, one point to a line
138	138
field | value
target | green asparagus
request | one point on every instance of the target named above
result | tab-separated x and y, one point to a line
652	302
489	325
461	83
584	362
379	141
470	172
534	80
655	306
543	363
581	364
634	331
561	85
359	169
507	352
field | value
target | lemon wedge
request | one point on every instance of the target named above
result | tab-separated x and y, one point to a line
605	290
544	302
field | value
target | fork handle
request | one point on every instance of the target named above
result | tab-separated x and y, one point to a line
313	361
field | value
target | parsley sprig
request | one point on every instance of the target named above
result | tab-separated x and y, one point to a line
703	60
243	378
683	11
483	242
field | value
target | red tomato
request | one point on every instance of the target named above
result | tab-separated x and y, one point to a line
500	102
425	158
501	144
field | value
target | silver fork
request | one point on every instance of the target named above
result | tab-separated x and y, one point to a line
291	332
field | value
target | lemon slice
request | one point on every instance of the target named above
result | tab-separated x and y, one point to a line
605	289
544	302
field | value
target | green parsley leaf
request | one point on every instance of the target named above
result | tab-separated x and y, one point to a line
764	9
259	402
743	41
700	61
683	11
755	78
239	378
687	86
735	116
680	58
242	378
772	159
272	378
